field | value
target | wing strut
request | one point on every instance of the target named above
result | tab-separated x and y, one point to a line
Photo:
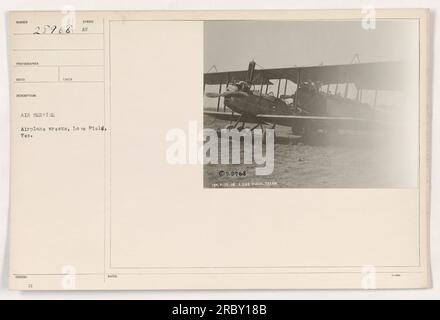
278	90
219	97
298	81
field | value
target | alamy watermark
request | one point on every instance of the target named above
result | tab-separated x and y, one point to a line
368	18
225	146
68	281
368	279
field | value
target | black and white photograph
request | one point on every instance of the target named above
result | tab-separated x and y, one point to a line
333	103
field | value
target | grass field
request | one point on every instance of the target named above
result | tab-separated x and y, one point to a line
347	160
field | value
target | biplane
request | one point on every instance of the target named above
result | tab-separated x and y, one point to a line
312	110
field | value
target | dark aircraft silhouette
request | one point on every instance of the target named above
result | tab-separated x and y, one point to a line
312	111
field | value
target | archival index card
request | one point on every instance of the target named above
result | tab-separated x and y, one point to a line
219	150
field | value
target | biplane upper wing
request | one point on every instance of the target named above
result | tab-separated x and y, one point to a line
373	76
233	76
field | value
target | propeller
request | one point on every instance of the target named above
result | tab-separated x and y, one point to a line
236	92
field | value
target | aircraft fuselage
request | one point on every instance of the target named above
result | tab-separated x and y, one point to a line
255	104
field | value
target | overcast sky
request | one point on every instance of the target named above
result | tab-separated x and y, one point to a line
231	45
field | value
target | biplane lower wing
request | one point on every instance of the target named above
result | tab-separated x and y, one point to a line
232	116
297	120
321	121
350	123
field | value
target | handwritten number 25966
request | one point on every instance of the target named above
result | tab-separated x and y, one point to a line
50	29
